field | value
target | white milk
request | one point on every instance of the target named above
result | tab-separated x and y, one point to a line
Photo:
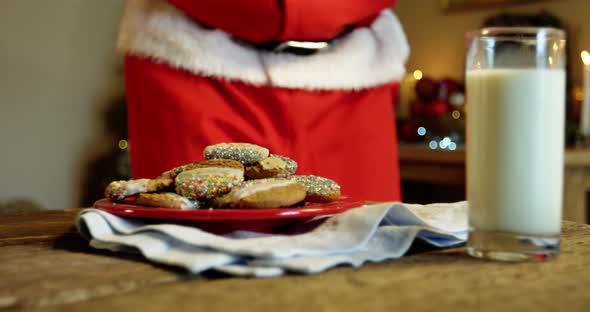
515	147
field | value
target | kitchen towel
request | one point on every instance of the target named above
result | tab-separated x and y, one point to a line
370	233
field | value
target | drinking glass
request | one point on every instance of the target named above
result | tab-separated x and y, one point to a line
515	84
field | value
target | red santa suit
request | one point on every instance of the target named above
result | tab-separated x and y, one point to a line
197	74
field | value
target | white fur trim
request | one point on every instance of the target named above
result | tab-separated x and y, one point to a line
364	58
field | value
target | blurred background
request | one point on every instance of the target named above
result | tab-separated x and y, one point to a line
62	123
431	109
59	74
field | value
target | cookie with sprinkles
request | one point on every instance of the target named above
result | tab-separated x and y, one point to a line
172	173
222	163
166	200
274	166
208	182
263	193
319	189
246	153
119	190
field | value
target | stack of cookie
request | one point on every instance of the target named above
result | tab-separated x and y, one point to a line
233	175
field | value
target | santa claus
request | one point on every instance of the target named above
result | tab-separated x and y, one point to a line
311	80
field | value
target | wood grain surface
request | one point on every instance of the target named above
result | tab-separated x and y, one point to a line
45	265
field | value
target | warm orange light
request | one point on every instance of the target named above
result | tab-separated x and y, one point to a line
585	57
579	95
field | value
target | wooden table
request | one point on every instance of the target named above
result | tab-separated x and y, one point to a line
45	265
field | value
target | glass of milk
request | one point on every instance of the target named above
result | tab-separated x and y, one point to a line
515	80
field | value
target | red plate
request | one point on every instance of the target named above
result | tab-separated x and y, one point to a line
227	220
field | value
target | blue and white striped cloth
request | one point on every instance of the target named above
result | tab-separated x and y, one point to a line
370	233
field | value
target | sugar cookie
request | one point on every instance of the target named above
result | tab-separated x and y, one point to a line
245	153
263	193
319	189
166	200
118	190
274	166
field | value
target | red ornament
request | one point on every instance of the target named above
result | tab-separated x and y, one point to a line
438	108
418	109
427	90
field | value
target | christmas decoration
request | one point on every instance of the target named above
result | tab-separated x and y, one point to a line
449	87
427	89
409	132
438	108
437	114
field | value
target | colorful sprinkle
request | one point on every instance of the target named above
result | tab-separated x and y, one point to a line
115	191
195	186
118	190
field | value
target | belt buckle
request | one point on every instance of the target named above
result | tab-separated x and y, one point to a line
301	47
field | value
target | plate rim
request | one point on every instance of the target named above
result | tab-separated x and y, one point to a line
211	214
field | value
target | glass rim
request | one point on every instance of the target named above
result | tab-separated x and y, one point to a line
511	32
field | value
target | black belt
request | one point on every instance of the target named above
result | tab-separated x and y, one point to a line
293	47
300	47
